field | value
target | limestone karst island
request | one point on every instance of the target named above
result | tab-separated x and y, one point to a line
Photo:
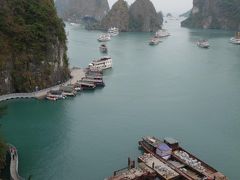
119	89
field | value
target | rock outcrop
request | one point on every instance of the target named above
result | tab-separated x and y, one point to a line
75	10
143	17
118	16
32	46
214	14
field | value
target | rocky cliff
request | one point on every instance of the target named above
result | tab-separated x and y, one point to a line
117	17
75	10
216	14
143	17
32	46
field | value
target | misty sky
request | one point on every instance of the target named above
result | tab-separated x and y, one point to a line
172	6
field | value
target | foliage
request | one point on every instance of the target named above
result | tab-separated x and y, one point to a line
30	32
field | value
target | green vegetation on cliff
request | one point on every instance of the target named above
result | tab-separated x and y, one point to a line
117	17
217	14
32	45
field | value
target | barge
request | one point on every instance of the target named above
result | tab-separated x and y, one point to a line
162	169
183	162
141	172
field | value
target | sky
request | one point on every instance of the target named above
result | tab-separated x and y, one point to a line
167	6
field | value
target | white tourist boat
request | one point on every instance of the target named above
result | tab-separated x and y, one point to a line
203	44
162	33
236	39
74	24
104	37
113	31
101	64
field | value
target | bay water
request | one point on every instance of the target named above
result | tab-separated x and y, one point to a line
174	89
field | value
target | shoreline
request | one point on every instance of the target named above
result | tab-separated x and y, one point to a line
76	74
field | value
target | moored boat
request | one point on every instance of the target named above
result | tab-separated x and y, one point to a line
56	93
203	44
103	48
68	90
183	162
161	33
101	64
236	39
154	41
97	82
86	85
104	38
51	98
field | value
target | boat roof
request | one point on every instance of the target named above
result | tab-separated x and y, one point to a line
152	140
170	140
86	83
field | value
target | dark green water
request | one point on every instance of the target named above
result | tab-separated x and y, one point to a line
174	89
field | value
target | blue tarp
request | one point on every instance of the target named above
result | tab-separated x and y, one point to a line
164	147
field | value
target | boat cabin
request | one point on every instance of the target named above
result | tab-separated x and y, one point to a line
172	143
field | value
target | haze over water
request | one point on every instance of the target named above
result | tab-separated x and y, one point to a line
174	89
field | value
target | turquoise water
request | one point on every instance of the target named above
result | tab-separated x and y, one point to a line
174	89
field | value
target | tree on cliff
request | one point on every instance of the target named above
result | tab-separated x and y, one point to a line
32	46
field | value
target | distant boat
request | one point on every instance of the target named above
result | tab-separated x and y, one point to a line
162	33
74	24
104	38
236	39
103	48
113	31
154	41
203	44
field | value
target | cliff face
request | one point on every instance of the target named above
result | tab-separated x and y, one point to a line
117	17
32	46
216	14
76	9
143	17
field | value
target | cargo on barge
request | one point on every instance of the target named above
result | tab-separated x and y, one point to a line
190	167
141	172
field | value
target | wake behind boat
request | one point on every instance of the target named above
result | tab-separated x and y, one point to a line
236	39
203	44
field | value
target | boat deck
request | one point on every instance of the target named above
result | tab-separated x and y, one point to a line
161	168
133	174
193	162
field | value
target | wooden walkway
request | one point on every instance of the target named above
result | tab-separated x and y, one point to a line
76	73
14	164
